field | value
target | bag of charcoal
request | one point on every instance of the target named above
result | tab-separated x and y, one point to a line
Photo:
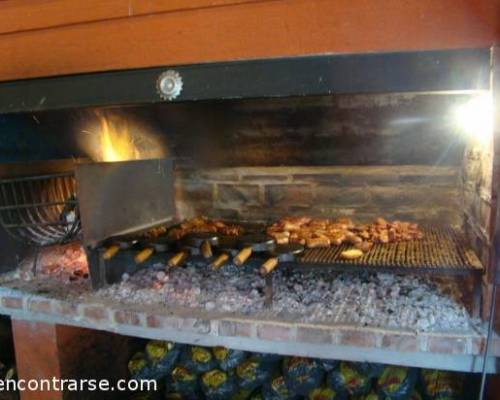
185	383
269	359
302	375
348	380
441	385
197	359
396	383
326	393
253	372
146	396
162	357
218	385
276	389
138	366
371	370
329	365
375	396
257	395
228	358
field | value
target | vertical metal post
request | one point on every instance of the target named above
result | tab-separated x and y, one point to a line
97	267
495	90
268	291
476	301
35	259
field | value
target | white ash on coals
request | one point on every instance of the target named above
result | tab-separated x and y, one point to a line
367	299
230	289
383	300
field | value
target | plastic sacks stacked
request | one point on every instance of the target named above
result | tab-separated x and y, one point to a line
194	372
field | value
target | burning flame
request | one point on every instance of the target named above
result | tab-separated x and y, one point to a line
116	143
115	136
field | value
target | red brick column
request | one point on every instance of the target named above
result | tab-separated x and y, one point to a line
37	355
44	351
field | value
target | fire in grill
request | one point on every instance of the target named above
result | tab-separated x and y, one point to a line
364	152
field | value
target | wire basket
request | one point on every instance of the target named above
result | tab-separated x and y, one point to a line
40	210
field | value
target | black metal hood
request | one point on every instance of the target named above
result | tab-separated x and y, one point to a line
424	71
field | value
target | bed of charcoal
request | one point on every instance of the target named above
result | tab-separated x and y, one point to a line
369	299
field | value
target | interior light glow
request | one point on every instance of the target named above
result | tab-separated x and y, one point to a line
475	118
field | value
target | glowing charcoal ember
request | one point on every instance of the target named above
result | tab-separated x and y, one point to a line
67	263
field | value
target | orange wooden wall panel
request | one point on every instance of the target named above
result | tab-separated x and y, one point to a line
140	7
255	29
23	15
20	15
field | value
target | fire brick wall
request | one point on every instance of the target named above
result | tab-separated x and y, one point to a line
417	193
479	200
400	156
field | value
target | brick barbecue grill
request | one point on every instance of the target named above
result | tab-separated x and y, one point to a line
248	143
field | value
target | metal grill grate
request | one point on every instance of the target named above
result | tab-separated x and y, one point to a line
41	210
443	250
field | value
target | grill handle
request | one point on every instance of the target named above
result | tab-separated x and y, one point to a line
269	265
220	261
243	256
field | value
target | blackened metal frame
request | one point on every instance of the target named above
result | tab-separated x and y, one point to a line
419	71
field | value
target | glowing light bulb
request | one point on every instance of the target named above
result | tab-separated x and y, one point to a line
475	118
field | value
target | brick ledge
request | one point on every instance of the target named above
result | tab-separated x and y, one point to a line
194	326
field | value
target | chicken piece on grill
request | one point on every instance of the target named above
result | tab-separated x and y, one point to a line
204	225
155	232
316	232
